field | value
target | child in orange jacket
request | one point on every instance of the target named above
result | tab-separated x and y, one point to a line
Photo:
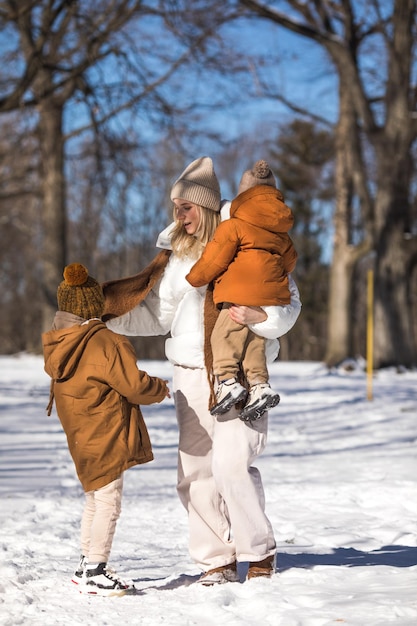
249	260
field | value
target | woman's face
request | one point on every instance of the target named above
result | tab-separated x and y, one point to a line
187	213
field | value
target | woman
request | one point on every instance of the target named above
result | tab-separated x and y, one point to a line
217	483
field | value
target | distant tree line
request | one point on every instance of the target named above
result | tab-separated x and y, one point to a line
99	111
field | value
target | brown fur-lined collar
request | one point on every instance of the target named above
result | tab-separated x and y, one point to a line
123	294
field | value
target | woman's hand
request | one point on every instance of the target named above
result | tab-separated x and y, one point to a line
247	314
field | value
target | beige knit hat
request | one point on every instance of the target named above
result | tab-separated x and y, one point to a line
198	184
260	174
80	293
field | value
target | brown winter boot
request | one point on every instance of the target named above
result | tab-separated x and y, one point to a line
263	568
219	575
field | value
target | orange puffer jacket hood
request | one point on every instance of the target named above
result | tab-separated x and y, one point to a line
251	254
98	388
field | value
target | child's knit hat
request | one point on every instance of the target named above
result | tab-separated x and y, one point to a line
80	293
260	174
198	184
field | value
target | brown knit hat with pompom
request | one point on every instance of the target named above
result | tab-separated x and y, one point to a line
260	174
80	293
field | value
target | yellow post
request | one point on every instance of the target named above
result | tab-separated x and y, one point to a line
370	334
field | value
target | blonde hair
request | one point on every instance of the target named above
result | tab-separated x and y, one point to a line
185	245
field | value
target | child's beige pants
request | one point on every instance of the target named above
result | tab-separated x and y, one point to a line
101	512
232	344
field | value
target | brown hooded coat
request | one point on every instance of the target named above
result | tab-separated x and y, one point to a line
98	388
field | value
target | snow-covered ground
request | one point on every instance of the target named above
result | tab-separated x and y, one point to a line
340	475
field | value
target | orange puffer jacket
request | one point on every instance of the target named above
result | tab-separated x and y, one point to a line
251	254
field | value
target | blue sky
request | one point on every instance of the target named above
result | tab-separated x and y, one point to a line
292	66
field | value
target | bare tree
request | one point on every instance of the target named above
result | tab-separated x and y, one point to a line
372	46
102	59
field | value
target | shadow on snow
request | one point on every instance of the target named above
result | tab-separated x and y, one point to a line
393	556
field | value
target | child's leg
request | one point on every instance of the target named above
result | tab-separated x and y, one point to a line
227	343
86	522
108	502
261	397
254	360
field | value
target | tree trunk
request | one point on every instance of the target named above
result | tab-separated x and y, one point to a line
345	254
53	253
394	340
395	343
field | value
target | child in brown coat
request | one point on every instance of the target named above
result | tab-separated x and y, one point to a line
97	388
249	260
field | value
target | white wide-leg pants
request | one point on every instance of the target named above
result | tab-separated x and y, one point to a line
217	482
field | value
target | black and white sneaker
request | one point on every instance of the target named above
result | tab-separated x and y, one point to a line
78	577
229	392
101	581
261	398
